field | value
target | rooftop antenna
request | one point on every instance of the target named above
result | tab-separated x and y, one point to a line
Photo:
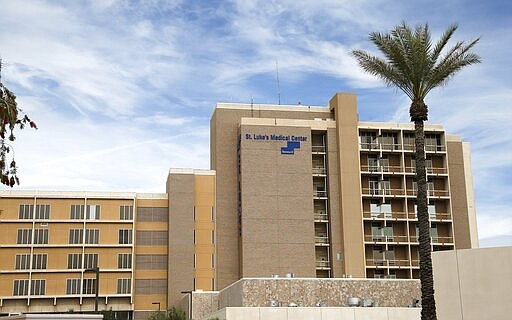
278	88
252	102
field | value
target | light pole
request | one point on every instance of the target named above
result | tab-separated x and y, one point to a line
189	303
96	285
158	303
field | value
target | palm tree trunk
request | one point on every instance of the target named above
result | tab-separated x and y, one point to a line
428	304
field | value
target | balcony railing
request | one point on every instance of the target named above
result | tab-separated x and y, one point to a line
323	264
429	170
317	148
434	148
321	216
320	194
319	170
380	215
388	262
321	240
409	146
383	192
430	193
372	168
384	238
436	240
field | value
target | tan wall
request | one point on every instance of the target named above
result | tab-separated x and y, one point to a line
473	283
464	229
345	106
277	206
223	151
337	264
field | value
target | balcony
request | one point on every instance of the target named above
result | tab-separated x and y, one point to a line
429	170
320	193
380	215
434	148
430	193
383	192
321	240
321	216
383	238
436	240
318	149
319	171
323	264
387	263
381	169
380	146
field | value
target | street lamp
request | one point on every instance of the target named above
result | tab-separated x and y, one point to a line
158	303
96	285
189	303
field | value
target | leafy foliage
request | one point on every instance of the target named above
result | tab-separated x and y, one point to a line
11	117
170	314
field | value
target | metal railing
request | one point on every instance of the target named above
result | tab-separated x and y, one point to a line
321	240
434	148
430	193
321	216
319	194
388	262
435	240
383	192
319	170
429	170
323	264
318	148
384	238
372	168
387	215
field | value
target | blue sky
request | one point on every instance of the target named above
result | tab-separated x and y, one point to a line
123	90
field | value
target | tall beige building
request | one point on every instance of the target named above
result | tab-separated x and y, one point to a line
293	189
314	192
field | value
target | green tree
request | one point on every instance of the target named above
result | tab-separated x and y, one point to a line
414	65
11	116
170	314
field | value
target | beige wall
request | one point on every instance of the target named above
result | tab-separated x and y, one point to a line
345	107
277	207
473	283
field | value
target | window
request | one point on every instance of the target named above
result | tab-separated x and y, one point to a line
90	260
384	164
368	140
43	211
409	143
213	236
41	236
26	211
385	186
89	212
39	261
22	262
213	260
72	286
125	236
126	212
92	236
373	164
430	188
92	212
38	287
377	210
388	140
76	236
213	214
124	286
77	211
20	288
373	185
89	286
24	236
124	260
74	261
433	233
432	211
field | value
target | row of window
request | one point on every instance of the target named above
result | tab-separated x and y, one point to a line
77	212
90	260
73	286
76	236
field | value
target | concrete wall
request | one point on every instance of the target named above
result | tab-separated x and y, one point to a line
473	284
316	314
277	210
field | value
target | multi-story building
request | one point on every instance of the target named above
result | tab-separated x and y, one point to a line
315	192
51	243
305	190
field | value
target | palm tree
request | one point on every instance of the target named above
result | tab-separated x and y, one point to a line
415	66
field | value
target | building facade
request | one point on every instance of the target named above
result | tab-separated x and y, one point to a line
308	191
51	242
315	192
